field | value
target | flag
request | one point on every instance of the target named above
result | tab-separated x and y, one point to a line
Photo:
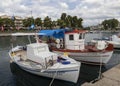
32	26
13	17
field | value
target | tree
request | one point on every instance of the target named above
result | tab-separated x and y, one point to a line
74	22
47	22
61	23
110	24
79	22
62	20
53	24
1	22
7	23
28	22
63	16
38	22
69	21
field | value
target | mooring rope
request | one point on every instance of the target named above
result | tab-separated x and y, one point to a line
54	77
100	72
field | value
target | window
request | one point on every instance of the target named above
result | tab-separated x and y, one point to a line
71	37
80	36
84	36
41	49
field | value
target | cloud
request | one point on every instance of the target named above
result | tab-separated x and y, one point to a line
63	5
92	11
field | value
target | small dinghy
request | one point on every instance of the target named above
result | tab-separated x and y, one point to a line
37	59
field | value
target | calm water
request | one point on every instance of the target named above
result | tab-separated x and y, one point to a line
12	75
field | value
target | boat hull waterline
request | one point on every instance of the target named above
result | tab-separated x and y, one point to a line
90	57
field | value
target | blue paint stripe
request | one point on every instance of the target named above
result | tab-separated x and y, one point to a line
59	71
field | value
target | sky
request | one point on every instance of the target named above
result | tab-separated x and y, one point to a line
92	12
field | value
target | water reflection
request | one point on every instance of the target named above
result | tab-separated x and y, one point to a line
24	78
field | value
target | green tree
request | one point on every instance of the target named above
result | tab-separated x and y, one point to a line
53	24
8	22
61	23
110	24
47	22
63	20
38	22
28	22
63	16
1	22
74	22
79	22
69	21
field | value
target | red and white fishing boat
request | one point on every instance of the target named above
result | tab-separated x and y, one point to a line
74	45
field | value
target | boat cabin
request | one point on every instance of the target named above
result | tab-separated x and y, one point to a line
39	52
75	40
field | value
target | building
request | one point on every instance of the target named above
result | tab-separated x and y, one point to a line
5	16
118	27
97	27
18	21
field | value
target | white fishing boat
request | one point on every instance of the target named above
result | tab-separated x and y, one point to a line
115	40
73	42
37	59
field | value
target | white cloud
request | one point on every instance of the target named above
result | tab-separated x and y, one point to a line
92	11
64	5
72	0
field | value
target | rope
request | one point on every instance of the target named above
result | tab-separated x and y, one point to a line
29	39
99	76
100	73
54	77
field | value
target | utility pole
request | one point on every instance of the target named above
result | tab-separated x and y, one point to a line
31	13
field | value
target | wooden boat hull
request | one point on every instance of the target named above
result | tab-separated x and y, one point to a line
116	45
67	74
90	57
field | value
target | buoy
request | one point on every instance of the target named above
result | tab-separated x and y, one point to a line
57	41
58	45
101	45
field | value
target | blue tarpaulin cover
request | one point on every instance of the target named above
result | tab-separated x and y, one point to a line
57	33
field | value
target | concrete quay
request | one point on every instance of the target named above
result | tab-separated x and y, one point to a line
110	78
17	34
5	34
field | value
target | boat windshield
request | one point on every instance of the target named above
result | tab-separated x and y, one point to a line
41	49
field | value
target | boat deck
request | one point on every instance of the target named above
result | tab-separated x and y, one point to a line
22	54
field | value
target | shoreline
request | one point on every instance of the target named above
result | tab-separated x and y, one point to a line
16	34
32	32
